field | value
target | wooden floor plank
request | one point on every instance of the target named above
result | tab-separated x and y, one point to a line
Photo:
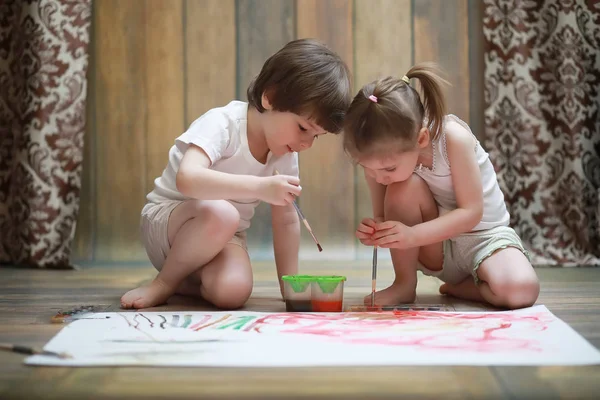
31	297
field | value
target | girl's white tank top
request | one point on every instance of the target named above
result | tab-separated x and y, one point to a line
439	179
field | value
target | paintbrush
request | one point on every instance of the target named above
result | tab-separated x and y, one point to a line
374	276
305	222
31	351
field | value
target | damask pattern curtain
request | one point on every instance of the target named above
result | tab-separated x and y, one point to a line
43	64
542	82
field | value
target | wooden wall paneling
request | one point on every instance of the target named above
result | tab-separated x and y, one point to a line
120	110
326	173
83	243
441	34
210	55
382	46
263	27
165	95
476	69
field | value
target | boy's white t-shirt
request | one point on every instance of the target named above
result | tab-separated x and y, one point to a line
222	134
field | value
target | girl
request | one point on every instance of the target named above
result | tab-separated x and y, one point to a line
194	223
436	201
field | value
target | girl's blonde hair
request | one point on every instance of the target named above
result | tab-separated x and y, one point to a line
386	115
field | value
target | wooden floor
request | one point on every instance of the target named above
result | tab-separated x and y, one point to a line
30	297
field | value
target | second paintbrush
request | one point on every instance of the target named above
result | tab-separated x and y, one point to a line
374	276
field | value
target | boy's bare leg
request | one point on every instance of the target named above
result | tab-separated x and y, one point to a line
198	231
226	281
411	203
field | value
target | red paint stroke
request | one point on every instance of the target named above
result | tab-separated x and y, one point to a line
432	330
486	332
198	325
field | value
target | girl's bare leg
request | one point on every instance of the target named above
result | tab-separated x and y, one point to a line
411	203
508	280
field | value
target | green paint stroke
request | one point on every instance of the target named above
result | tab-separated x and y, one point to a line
187	319
239	323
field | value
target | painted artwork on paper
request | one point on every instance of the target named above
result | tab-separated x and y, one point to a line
532	336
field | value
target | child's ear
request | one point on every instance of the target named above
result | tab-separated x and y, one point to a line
265	101
423	138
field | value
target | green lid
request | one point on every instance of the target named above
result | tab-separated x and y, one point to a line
328	284
298	283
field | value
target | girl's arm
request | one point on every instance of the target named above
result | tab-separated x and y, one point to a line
286	240
466	180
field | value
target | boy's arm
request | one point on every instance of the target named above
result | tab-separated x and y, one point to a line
286	240
195	179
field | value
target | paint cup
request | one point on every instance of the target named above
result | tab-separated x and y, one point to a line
297	292
327	293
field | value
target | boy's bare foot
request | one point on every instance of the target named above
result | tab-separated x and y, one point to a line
150	295
465	290
392	295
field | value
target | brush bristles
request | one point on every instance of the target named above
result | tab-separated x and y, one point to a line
319	246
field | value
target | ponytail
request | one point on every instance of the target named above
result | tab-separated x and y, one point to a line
431	83
386	115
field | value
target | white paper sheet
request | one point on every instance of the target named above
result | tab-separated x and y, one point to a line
531	336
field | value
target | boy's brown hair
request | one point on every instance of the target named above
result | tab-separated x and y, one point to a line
306	78
392	119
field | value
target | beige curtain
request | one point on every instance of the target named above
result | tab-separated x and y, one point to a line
43	63
542	82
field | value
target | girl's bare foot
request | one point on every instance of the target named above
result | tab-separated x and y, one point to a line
150	295
392	295
465	290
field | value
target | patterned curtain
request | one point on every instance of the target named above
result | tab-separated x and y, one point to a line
542	82
43	63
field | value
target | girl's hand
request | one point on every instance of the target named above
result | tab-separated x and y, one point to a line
393	234
366	229
279	190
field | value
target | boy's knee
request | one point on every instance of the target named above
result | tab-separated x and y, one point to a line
219	217
233	293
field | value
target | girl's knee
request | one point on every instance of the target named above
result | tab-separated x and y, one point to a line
519	293
410	195
398	191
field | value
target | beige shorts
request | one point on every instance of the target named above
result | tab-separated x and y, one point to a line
464	254
154	231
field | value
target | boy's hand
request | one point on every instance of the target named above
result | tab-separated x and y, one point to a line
279	190
393	234
366	230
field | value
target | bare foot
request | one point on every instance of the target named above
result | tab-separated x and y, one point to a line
150	295
392	295
465	290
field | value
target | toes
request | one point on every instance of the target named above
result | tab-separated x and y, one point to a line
137	304
444	288
128	300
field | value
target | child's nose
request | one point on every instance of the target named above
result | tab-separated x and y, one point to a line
307	143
